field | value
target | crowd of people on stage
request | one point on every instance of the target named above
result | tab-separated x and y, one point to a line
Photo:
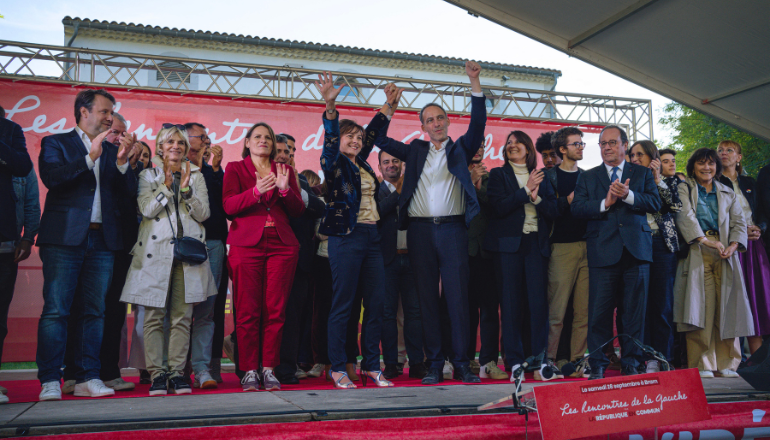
551	262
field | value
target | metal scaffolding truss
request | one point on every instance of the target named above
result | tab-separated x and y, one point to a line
88	67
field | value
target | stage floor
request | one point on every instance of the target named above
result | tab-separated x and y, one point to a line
449	398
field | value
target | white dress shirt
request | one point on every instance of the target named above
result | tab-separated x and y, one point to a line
629	198
438	191
96	208
400	235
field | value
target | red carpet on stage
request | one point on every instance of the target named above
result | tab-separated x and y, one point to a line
738	420
28	390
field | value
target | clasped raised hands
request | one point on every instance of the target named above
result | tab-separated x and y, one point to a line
533	183
617	191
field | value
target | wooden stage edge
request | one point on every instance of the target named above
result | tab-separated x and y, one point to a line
94	415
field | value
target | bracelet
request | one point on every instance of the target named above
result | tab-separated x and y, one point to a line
185	189
391	107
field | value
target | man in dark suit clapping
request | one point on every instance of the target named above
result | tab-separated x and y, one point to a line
615	198
80	230
437	203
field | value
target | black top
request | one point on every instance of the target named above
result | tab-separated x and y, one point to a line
566	228
216	224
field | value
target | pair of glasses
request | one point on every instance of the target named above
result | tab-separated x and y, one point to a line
613	143
202	137
579	145
179	126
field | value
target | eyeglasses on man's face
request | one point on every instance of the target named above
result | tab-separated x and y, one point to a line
579	145
613	143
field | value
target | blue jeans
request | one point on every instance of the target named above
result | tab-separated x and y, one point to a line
356	263
203	314
659	322
73	273
399	281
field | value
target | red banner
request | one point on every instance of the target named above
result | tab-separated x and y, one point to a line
620	404
44	109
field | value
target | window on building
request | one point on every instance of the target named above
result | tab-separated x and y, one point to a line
170	71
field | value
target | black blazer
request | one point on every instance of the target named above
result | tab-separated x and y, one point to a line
14	161
750	190
459	155
71	187
388	222
623	225
507	223
304	226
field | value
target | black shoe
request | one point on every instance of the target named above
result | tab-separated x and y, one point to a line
391	371
159	386
629	370
144	377
596	373
177	385
464	374
400	367
288	380
418	371
434	377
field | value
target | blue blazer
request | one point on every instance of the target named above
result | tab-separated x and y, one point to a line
71	188
14	162
343	180
389	222
623	225
507	198
459	156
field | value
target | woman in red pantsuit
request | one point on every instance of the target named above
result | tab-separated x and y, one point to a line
261	195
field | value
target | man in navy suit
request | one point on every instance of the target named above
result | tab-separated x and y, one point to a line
437	203
80	230
615	197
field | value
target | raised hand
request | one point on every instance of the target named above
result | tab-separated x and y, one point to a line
96	145
610	199
282	178
479	171
325	85
400	183
655	167
184	182
168	172
216	157
126	146
472	69
136	152
265	185
620	190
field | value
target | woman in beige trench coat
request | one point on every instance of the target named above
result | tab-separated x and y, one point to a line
156	280
710	301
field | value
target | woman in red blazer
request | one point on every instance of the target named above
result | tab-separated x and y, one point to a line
261	195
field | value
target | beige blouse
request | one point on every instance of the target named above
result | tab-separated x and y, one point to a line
530	212
367	212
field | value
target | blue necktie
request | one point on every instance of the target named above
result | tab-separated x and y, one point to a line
614	176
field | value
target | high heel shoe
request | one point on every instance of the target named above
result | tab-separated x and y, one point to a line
343	375
376	377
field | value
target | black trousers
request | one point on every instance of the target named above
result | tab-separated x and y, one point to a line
440	252
8	272
625	285
298	296
484	305
220	305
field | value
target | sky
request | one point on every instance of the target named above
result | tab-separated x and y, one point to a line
418	26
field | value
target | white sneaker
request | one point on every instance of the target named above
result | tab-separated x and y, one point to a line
93	388
707	374
652	367
50	391
203	380
69	387
490	370
3	398
120	385
513	373
727	373
317	370
449	370
300	374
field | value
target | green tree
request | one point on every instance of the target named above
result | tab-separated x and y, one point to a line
695	130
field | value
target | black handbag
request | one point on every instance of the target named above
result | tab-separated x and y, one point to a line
187	249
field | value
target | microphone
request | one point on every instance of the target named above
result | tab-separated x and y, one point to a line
546	371
524	365
568	369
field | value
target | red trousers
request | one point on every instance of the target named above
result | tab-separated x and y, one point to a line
262	277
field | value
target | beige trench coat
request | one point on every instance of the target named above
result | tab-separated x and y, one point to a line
689	307
148	278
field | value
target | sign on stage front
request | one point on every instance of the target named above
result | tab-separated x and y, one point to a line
619	404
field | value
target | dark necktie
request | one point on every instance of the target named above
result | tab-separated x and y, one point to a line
614	176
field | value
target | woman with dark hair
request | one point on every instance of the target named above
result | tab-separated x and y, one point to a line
659	318
710	301
754	262
145	155
261	194
350	222
524	207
